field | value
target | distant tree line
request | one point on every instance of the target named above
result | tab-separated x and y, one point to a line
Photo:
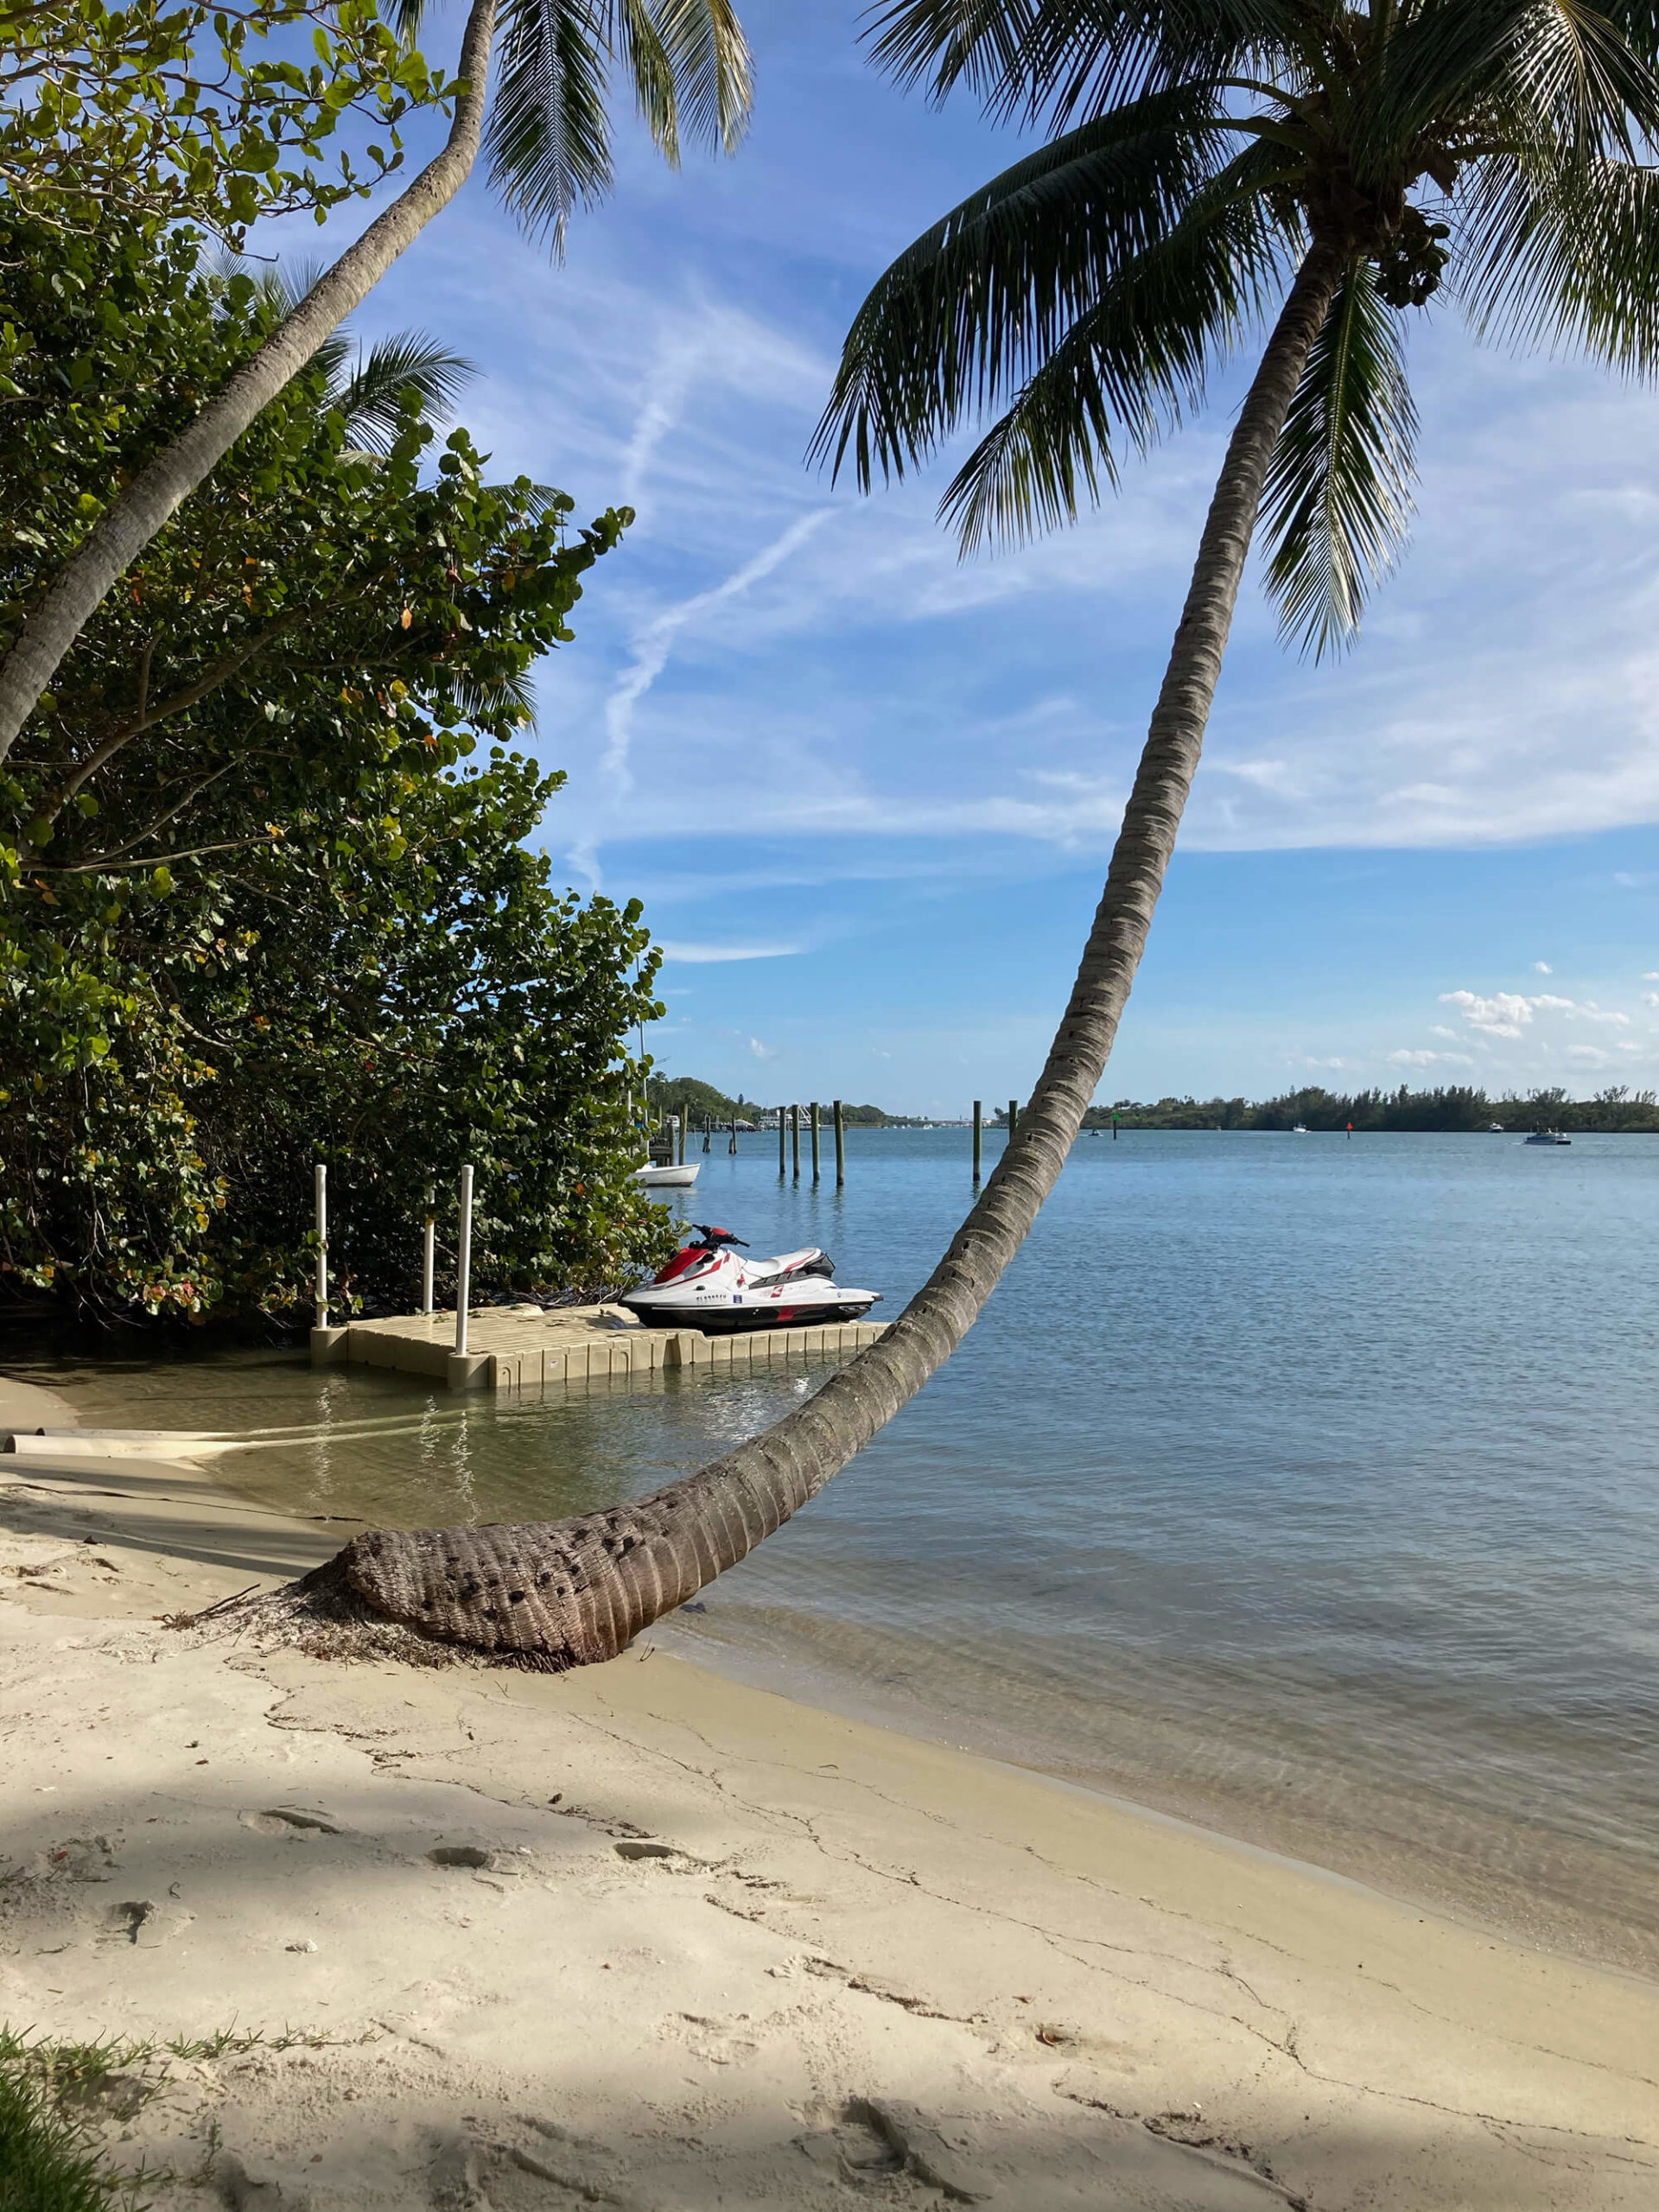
686	1094
1456	1106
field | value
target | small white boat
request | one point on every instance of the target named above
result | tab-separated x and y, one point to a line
1301	1129
669	1178
1547	1136
1494	1128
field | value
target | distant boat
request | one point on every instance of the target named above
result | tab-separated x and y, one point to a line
1547	1136
669	1178
1494	1128
1301	1129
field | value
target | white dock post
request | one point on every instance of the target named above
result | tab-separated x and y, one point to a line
464	1261
321	1176
327	1345
429	1238
467	1370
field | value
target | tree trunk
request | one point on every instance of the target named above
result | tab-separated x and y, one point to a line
566	1592
148	503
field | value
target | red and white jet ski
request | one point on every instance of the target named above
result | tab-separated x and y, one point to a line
706	1286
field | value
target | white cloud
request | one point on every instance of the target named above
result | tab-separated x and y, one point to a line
1423	1059
1542	968
657	642
675	948
1506	1013
762	1051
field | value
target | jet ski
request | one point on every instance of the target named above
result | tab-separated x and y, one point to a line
707	1286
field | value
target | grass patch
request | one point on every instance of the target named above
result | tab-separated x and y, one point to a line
47	2163
52	2094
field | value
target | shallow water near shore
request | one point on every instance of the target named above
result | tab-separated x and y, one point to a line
1303	1486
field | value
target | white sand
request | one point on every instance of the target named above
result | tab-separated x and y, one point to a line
718	1950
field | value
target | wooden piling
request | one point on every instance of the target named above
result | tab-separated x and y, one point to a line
783	1139
979	1137
795	1141
814	1139
841	1144
732	1148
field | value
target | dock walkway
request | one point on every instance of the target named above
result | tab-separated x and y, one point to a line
524	1349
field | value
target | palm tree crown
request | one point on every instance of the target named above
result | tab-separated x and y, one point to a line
1491	149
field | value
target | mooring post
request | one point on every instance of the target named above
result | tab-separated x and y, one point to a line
979	1136
1014	1117
708	1128
841	1144
783	1141
814	1139
795	1141
322	1246
732	1148
327	1345
464	1259
429	1241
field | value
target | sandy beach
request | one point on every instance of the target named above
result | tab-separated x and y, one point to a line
641	1937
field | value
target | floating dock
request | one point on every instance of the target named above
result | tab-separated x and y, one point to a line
523	1348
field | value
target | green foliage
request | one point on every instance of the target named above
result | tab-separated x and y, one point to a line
684	1094
166	113
1457	1106
1497	151
261	904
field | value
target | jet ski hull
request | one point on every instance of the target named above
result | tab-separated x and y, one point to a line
735	1317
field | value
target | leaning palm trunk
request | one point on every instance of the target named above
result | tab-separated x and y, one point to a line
564	1594
156	493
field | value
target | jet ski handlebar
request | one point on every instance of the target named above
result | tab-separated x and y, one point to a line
712	1236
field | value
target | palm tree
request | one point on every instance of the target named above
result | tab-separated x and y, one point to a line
1218	165
550	143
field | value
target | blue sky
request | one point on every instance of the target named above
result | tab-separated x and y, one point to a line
867	791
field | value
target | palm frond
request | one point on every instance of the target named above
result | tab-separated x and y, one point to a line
1553	75
371	397
549	135
549	140
967	312
1128	369
1068	59
1570	260
711	79
474	695
1338	498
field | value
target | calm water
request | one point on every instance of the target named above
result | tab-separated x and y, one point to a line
1305	1486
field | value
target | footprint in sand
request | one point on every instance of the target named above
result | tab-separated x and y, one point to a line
717	2042
293	1820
